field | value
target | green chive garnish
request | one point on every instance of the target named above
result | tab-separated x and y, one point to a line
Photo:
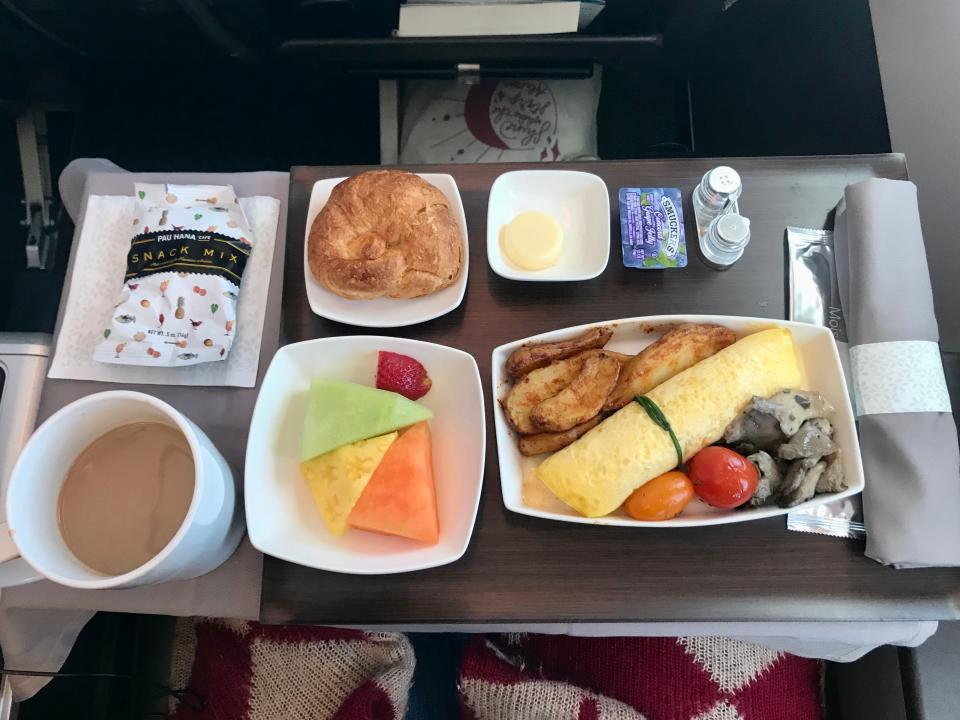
656	414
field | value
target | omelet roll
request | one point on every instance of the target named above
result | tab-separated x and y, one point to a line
596	473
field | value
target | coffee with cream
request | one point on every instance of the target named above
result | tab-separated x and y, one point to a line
126	495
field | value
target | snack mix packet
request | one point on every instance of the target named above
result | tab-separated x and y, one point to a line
178	302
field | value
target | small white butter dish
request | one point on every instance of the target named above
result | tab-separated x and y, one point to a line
579	201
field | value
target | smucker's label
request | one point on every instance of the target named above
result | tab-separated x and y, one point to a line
671	232
177	305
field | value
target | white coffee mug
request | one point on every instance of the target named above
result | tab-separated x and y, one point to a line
209	534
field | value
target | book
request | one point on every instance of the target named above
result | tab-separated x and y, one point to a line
457	18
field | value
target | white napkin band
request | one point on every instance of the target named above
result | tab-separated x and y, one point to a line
898	377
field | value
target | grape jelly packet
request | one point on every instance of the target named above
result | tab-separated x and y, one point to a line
651	228
178	302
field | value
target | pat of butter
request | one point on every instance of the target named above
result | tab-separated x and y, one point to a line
533	240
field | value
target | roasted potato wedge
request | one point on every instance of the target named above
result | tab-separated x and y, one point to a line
552	441
677	350
622	358
530	357
582	399
537	386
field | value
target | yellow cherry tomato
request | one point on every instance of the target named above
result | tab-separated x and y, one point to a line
662	498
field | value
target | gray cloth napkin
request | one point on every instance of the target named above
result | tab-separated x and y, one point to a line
911	500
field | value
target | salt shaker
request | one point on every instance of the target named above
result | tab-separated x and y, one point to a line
717	193
723	242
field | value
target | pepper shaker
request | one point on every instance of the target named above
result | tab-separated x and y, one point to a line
726	237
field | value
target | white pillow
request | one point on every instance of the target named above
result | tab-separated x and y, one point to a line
499	121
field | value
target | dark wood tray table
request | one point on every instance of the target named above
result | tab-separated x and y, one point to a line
526	570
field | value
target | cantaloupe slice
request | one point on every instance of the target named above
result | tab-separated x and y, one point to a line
339	413
400	498
337	478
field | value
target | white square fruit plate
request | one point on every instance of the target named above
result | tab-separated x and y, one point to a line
577	200
819	365
282	518
386	312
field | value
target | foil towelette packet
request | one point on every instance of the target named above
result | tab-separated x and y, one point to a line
814	297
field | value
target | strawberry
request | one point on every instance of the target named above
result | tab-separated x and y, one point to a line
402	374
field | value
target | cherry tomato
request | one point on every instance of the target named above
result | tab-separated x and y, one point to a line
660	499
723	478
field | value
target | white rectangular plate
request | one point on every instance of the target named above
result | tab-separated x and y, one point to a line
282	518
386	312
819	365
